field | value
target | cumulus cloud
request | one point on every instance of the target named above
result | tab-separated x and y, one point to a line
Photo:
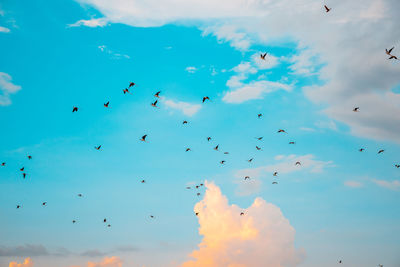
229	33
27	263
4	29
263	236
353	184
92	23
6	89
392	185
186	108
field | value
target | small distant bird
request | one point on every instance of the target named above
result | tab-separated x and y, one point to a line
197	214
106	104
97	147
388	52
226	153
216	148
259	115
184	122
108	225
340	261
356	109
188	187
397	166
380	265
80	195
274	182
73	221
22	169
154	104
29	157
222	162
24	175
208	139
259	138
131	84
205	98
381	151
105	220
44	203
143	138
250	160
258	148
298	163
393	57
74	109
151	216
242	213
3	164
142	181
292	143
157	94
327	9
361	149
198	194
262	56
126	90
19	206
197	186
275	174
247	177
188	149
281	131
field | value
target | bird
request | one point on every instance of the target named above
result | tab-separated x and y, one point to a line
22	169
258	148
126	90
188	149
259	138
201	184
226	153
105	220
216	148
74	109
247	177
274	182
275	174
44	203
222	162
131	84
154	104
380	265
157	94
3	164
188	187
327	9
381	151
361	149
198	194
205	98
143	138
356	109
106	104
24	175
184	122
388	52
208	139
298	163
397	166
392	57
19	206
108	225
151	216
73	221
29	157
142	181
340	261
197	214
259	115
242	213
97	147
250	160
80	195
197	186
292	143
281	131
262	56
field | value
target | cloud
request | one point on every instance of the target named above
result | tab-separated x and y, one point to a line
191	69
106	262
393	185
7	88
4	29
353	184
27	263
24	250
186	108
262	235
237	39
115	55
92	23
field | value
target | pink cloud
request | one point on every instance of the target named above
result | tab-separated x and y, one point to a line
27	263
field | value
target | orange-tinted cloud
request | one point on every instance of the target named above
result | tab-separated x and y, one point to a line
106	262
27	263
261	237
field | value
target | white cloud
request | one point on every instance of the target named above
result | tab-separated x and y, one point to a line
186	108
7	88
262	236
101	22
331	125
105	49
4	29
237	39
353	184
393	185
191	69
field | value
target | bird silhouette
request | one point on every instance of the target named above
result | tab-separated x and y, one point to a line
327	9
108	225
105	220
74	109
73	221
3	164
361	149
292	143
142	181
262	56
44	203
188	149
208	139
388	52
188	187
298	163
154	104
226	153
381	151
24	175
275	174
258	148
143	138
131	84
151	216
197	214
206	98
247	177
222	162
19	206
185	122
393	57
259	115
106	104
259	138
281	131
242	213
356	109
397	166
274	182
29	157
216	148
80	195
250	160
97	147
22	169
157	94
198	194
126	90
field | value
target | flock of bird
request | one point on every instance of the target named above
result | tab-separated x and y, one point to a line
263	56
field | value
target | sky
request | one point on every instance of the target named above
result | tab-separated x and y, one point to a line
337	204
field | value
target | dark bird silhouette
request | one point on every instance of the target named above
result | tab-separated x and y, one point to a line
201	184
222	162
188	149
393	57
29	157
250	160
258	148
105	220
74	109
19	206
275	174
23	175
356	109
397	166
197	186
216	148
143	138
262	56
274	182
198	194
298	163
22	169
340	261
108	225
327	9
184	122
151	216
208	139
131	84
388	52
292	143
226	153
73	221
106	104
281	131
259	138
259	115
188	187
3	164
142	181
381	151
154	104
97	147
247	177
361	149
80	195
44	203
205	98
126	90
242	213
157	94
197	214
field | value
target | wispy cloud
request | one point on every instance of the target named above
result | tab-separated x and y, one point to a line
188	109
392	185
101	22
353	184
191	69
7	88
4	29
113	54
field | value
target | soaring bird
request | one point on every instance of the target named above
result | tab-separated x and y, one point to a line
44	203
188	149
356	109
258	148
259	138
201	184
23	175
126	90
142	181
381	151
262	56
74	109
216	148
208	139
73	221
397	166
198	194
3	164
197	214
247	177
340	261
157	94
226	153
298	163
80	195
281	131
197	186
361	149
388	52
275	174
151	216
97	147
106	104
19	206
108	225
105	220
154	104
250	160
22	169
392	57
222	162
259	115
242	213
131	84
205	98
292	143
327	8
143	138
274	182
184	122
29	157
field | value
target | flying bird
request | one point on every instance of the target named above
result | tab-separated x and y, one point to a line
356	109
281	131
247	177
106	104
250	160
205	98
242	213
388	52
142	181
108	225
208	139
393	57
74	109
259	138
188	187
131	84
262	56
126	90
397	166
3	164
275	174
80	195
258	148
143	138
24	175
381	151
97	147
361	149
29	157
22	169
73	221
340	261
226	153
298	163
197	214
188	149
154	104
19	206
151	216
292	143
274	182
157	94
105	220
259	115
222	162
327	9
198	194
44	203
184	122
216	148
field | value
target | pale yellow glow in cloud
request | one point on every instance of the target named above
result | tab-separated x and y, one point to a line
27	263
261	237
106	262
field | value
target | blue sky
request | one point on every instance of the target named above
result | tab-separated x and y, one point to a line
343	204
